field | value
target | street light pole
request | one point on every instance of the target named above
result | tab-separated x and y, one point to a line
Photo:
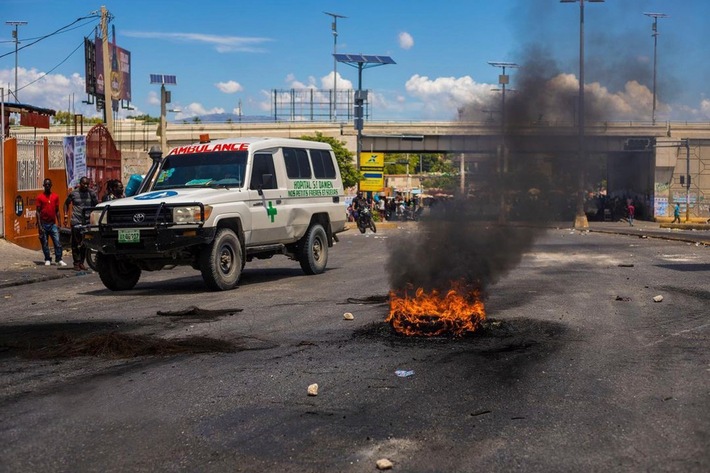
361	61
165	99
334	27
580	220
654	28
17	40
503	81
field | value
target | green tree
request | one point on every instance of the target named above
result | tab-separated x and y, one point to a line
396	163
445	182
436	163
425	162
66	118
146	118
343	156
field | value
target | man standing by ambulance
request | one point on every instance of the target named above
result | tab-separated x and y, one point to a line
47	221
80	199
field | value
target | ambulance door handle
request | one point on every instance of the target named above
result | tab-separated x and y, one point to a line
257	204
278	201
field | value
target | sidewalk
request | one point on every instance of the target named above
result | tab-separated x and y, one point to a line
22	266
689	233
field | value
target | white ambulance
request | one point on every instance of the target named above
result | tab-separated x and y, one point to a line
217	204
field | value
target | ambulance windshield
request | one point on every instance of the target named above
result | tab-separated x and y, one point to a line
216	169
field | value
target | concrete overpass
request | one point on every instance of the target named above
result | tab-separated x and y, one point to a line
653	172
410	137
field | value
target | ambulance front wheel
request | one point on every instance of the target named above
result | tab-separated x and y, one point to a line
221	262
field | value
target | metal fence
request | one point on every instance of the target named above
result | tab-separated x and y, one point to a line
56	154
30	164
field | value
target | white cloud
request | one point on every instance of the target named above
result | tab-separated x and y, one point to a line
222	44
705	108
444	96
405	40
326	82
195	109
229	87
52	91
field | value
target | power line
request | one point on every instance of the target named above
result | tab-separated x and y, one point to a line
60	30
55	67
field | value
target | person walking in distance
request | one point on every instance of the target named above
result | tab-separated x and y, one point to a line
79	199
631	210
47	221
676	213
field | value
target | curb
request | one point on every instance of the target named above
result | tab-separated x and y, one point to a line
15	278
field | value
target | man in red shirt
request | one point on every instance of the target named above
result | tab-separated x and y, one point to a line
47	219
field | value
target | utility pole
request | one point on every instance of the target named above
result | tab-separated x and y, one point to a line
580	220
655	33
17	41
334	27
108	104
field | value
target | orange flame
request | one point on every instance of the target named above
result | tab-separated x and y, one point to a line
456	313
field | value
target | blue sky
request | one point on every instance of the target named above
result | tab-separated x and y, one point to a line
226	52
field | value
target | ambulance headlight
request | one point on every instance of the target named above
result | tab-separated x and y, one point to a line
190	214
95	216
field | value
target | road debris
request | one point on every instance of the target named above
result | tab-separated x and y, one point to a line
657	298
348	316
384	464
116	345
404	373
313	389
194	311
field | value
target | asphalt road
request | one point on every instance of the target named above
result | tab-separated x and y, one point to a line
577	368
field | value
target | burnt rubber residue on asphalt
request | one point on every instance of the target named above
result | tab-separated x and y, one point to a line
105	340
493	337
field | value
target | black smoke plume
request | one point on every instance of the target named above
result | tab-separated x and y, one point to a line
476	239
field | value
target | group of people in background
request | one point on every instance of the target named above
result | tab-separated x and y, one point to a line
388	208
48	218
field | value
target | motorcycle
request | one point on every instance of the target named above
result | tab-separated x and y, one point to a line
365	221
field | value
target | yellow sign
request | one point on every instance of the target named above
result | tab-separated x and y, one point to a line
372	181
372	160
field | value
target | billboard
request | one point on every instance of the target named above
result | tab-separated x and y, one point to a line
372	181
372	160
372	167
74	159
120	76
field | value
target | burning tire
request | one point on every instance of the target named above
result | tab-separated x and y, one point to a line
313	250
116	274
222	261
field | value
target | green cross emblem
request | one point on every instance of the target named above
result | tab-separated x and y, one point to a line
271	211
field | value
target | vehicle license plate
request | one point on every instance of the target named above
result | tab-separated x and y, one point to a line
129	236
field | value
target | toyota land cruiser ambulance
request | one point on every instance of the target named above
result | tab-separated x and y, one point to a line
216	205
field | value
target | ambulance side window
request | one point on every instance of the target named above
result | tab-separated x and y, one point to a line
263	173
297	164
322	164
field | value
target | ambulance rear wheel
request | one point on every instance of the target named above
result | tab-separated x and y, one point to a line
221	262
313	250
